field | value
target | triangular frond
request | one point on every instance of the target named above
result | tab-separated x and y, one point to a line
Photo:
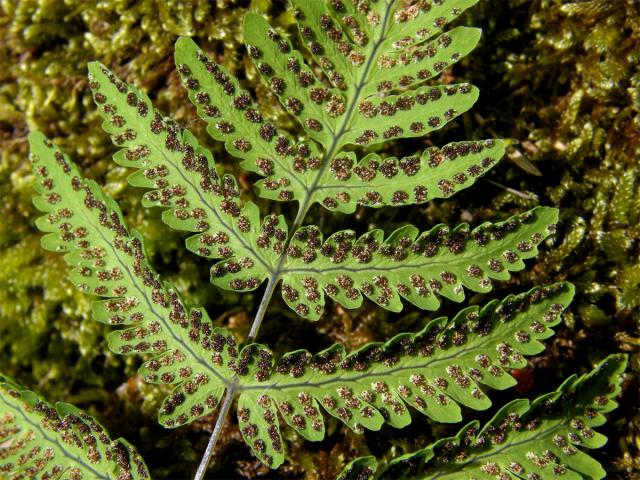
374	59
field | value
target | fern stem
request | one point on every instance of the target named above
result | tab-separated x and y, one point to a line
303	209
217	429
275	274
231	390
264	303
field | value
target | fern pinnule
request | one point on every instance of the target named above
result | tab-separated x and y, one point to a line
376	181
41	440
541	439
412	62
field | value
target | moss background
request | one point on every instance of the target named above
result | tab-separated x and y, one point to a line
560	78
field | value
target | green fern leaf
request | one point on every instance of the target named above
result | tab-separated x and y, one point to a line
353	56
414	23
109	261
40	440
362	82
349	39
435	371
416	267
361	468
183	177
411	114
362	53
539	440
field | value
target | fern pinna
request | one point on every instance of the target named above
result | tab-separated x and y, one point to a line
538	440
45	441
363	83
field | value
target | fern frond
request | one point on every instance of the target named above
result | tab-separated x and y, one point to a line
172	162
182	174
40	440
356	45
434	371
417	267
363	50
354	41
540	440
109	261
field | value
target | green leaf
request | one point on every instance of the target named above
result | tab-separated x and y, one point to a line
414	23
257	254
108	260
40	440
409	66
361	468
411	114
184	179
353	42
338	51
543	439
356	44
417	267
434	371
